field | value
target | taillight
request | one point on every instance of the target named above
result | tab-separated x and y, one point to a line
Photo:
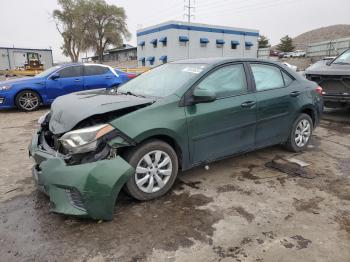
319	90
130	76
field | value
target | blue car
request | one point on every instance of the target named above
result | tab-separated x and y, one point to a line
29	93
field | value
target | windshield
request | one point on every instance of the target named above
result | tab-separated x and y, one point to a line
48	72
343	58
163	80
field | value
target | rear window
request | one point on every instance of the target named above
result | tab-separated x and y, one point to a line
91	70
269	77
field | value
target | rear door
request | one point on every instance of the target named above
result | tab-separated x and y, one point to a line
96	76
278	98
70	80
226	125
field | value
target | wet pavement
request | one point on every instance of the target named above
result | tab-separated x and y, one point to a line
238	210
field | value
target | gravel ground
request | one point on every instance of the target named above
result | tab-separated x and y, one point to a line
238	210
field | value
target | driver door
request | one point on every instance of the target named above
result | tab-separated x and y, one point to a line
227	125
69	79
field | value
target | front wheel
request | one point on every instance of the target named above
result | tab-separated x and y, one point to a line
300	134
156	168
28	100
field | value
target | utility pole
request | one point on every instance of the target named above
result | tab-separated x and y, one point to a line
189	7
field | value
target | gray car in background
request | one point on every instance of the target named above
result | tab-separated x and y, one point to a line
334	77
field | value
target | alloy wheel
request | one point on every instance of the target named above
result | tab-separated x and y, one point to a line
302	133
153	171
28	101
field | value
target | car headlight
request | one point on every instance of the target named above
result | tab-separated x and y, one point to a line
5	87
85	139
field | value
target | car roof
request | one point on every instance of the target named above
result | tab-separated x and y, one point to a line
83	64
222	60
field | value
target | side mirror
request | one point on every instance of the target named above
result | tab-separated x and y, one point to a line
203	96
55	76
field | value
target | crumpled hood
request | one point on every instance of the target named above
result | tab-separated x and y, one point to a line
321	68
67	111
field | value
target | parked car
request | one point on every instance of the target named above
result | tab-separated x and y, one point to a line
125	76
275	53
29	93
334	76
174	117
293	67
298	53
288	54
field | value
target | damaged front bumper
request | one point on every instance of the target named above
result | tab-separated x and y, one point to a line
86	190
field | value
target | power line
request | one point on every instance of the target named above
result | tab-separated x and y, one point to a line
189	8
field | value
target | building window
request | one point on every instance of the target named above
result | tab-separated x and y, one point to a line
143	61
204	41
150	59
248	45
183	40
220	43
163	58
142	44
234	44
154	42
163	40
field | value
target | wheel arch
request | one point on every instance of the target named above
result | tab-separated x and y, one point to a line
310	111
27	89
172	139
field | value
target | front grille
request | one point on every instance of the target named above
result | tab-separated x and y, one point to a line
76	198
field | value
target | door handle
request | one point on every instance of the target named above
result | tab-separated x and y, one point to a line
108	77
248	104
295	93
77	80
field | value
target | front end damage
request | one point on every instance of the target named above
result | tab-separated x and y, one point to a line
83	184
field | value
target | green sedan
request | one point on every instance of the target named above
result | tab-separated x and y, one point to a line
174	117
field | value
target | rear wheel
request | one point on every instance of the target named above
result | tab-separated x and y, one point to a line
300	134
28	100
156	168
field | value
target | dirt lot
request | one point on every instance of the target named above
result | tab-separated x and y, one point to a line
238	210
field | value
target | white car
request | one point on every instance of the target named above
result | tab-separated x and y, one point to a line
293	67
299	53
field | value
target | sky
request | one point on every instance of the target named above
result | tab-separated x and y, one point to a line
28	23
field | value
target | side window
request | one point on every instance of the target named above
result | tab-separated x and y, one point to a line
267	77
226	81
91	70
287	79
71	71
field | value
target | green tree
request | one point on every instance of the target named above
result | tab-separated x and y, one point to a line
107	26
286	44
72	24
263	42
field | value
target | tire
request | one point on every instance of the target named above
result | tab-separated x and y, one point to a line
304	126
28	100
151	169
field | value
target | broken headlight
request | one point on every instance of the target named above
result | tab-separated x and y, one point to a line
84	140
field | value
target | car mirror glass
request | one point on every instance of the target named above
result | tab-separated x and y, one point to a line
201	95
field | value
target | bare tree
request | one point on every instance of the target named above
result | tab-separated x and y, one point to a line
71	23
107	26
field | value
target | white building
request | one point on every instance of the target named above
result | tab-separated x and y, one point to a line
174	40
13	58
